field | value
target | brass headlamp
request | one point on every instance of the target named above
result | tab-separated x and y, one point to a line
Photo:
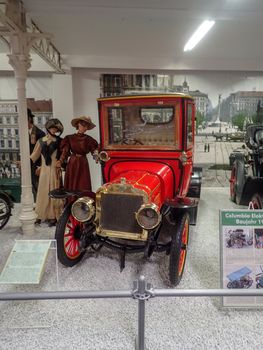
148	216
83	209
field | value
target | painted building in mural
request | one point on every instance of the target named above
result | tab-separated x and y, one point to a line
9	132
201	99
241	103
244	101
121	84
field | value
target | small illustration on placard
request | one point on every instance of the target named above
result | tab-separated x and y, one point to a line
258	238
238	238
240	278
259	276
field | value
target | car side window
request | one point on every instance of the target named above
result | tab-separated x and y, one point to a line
115	125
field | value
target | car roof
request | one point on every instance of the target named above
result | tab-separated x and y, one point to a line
145	95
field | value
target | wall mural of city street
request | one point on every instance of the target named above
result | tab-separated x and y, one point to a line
9	133
225	104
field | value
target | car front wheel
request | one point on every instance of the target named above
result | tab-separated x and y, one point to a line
178	249
68	233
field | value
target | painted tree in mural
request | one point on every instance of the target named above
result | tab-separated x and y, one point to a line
239	120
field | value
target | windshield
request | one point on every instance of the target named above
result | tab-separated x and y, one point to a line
137	125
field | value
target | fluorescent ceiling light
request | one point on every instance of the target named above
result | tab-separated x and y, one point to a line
198	34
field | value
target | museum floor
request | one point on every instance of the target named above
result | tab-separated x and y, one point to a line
183	323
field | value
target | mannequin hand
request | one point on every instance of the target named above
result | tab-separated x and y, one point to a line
58	164
37	172
95	156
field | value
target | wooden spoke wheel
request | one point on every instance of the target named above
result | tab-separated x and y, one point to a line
68	233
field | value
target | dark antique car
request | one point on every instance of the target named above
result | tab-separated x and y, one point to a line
246	182
10	192
6	205
150	189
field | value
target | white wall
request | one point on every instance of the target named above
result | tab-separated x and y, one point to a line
38	87
62	96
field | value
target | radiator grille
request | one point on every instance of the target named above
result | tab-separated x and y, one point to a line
118	212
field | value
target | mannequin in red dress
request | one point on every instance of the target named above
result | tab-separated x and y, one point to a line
74	148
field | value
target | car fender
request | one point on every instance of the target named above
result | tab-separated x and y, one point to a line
178	206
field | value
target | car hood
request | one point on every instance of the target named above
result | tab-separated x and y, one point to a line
154	178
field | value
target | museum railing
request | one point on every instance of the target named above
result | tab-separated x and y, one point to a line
141	291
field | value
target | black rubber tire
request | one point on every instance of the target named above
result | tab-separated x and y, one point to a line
229	285
250	242
233	183
240	182
257	201
237	181
250	282
5	211
229	243
68	241
178	249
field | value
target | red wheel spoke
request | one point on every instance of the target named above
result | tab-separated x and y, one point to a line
183	247
71	243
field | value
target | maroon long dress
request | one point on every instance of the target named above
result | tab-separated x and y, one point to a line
76	147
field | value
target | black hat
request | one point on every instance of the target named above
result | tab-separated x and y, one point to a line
54	123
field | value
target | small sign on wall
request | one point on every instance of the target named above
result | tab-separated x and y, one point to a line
241	239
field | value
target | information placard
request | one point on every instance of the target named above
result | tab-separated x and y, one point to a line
241	241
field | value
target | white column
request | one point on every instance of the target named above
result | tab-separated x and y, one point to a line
21	62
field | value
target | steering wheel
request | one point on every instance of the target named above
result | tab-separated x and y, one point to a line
130	141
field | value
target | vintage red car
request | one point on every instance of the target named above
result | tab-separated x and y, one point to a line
150	188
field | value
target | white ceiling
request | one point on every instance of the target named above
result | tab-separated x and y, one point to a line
150	34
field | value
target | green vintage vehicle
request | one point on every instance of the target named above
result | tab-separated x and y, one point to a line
10	192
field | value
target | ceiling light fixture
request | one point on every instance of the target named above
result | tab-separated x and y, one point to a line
200	32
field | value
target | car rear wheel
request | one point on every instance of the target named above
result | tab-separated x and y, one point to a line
178	250
237	181
257	201
68	233
233	181
5	212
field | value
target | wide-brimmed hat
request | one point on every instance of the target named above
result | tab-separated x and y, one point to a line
87	120
54	123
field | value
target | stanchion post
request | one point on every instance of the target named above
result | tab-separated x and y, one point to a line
141	292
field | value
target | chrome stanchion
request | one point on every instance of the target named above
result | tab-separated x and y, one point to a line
141	292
